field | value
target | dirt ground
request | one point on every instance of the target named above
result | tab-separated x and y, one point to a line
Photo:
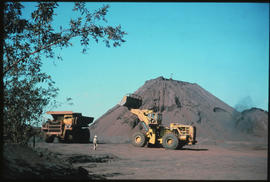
226	161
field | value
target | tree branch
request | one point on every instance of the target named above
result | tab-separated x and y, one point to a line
36	51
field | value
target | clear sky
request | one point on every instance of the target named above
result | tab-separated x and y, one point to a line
223	47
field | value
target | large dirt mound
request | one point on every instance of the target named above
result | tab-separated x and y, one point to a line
178	101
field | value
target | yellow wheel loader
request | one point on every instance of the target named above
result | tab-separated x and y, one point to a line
173	137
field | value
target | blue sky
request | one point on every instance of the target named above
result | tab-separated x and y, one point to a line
223	47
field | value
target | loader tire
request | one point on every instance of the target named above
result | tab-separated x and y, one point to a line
170	141
49	138
138	139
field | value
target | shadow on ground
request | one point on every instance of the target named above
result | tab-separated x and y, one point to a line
193	149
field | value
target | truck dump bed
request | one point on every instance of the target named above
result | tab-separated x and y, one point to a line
84	121
81	120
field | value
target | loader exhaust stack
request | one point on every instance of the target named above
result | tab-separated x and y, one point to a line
132	101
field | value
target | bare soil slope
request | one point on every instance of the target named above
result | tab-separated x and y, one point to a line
178	101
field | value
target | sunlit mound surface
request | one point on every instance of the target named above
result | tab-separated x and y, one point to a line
186	103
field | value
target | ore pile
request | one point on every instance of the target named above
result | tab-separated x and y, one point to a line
179	102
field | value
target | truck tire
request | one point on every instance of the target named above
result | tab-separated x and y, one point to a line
49	138
86	136
170	141
81	136
76	136
138	139
68	138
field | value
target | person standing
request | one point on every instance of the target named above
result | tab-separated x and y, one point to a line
95	142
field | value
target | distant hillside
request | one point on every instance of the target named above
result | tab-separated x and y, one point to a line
178	101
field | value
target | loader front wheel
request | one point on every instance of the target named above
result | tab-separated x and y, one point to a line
170	141
138	139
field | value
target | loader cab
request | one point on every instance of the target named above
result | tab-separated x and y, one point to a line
154	118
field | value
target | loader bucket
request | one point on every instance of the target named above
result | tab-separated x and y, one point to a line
131	101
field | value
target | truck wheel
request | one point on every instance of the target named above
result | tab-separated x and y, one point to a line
49	138
76	136
170	141
81	136
138	139
85	136
68	138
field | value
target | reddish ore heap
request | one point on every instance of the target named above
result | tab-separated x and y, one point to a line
185	103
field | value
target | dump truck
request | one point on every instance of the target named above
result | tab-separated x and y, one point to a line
67	126
173	137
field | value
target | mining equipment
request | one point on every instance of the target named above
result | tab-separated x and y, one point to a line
67	126
154	133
